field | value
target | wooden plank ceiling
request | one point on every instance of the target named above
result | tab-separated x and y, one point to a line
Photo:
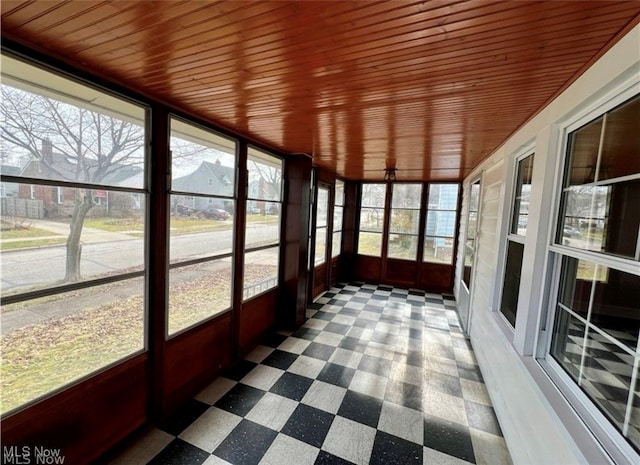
428	87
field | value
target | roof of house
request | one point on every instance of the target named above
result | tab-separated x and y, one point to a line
223	174
10	170
64	167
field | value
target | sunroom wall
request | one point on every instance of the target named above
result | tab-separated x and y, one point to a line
538	425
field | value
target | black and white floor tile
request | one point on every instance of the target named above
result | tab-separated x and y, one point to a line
377	375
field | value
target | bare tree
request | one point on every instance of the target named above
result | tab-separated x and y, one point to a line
95	146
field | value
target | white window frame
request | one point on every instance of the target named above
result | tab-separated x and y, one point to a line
428	211
615	445
469	286
506	235
417	209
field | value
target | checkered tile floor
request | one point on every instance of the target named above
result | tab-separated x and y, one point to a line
377	375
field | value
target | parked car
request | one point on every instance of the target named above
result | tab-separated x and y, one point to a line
253	210
184	210
215	213
570	231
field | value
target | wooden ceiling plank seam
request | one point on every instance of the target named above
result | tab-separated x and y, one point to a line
67	12
28	16
368	39
11	8
129	35
304	31
231	35
434	73
211	77
420	100
247	46
491	47
106	25
193	76
431	70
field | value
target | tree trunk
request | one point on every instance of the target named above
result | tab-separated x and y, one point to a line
83	203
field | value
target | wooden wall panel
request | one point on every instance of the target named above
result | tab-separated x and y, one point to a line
401	273
295	276
80	420
367	269
195	358
257	317
320	283
435	277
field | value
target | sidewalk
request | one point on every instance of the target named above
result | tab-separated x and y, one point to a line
61	230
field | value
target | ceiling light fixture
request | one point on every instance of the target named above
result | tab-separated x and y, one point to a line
390	174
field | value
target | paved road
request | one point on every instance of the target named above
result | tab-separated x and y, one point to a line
31	267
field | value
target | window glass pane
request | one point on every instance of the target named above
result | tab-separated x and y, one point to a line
472	224
403	246
616	303
634	420
443	196
601	215
513	270
568	342
602	369
35	233
55	129
321	246
406	195
200	233
339	193
583	146
404	221
198	292
60	130
598	354
260	271
201	162
373	195
468	262
438	249
336	246
576	278
621	145
52	341
371	219
264	228
265	176
370	244
322	207
520	215
602	218
441	223
337	218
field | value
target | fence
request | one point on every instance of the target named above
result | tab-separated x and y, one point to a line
24	208
255	289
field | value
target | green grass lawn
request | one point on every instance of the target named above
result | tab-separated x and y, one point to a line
20	233
31	243
369	244
105	326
